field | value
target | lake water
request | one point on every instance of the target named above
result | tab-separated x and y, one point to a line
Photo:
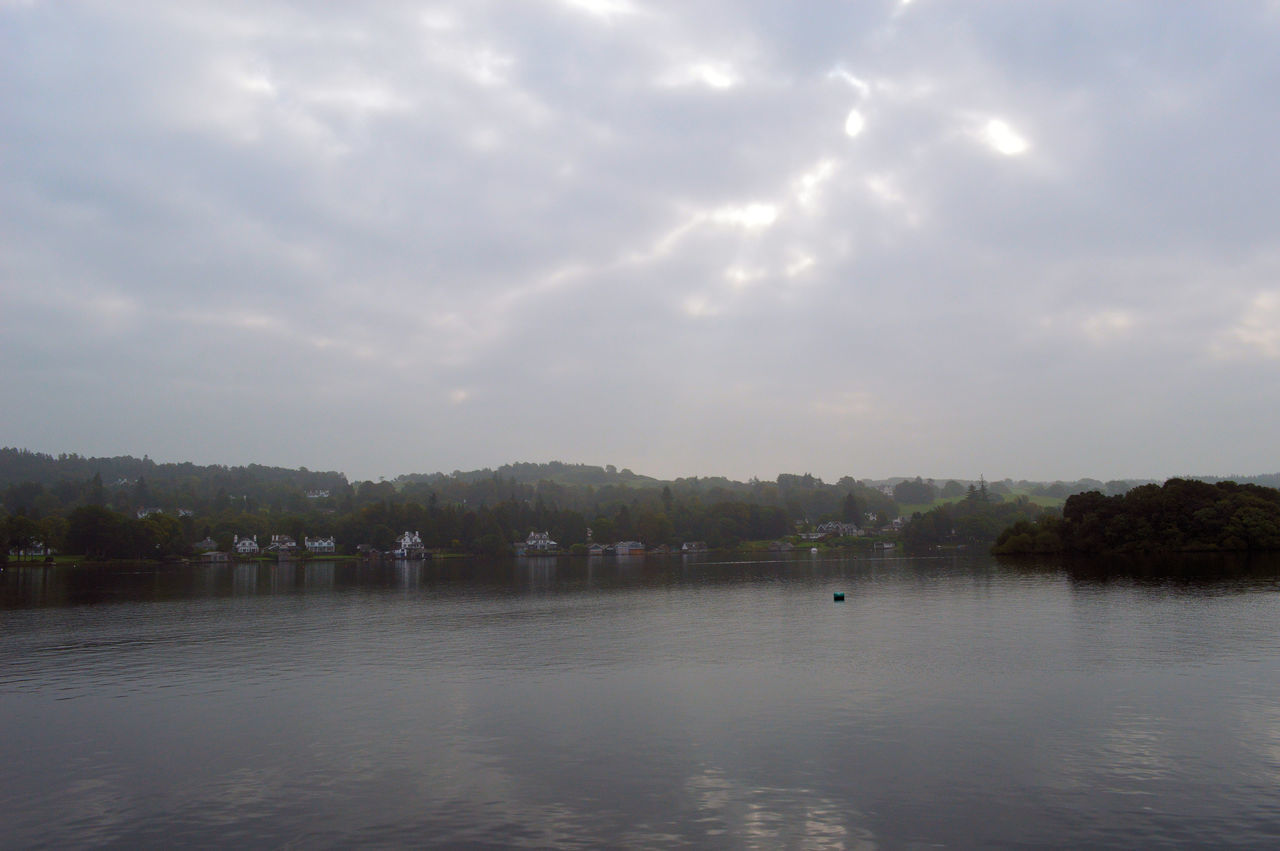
642	704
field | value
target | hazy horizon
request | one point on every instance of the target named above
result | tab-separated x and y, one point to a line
828	479
734	239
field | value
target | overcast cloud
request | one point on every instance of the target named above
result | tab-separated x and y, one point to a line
727	237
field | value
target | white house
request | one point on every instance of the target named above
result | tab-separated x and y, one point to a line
409	545
33	549
321	545
283	543
541	542
245	546
835	527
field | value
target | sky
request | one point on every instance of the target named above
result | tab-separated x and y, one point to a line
723	237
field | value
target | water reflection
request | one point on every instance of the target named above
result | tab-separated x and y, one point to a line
408	573
660	701
283	576
244	579
320	575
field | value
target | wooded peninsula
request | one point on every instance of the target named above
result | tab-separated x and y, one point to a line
1182	515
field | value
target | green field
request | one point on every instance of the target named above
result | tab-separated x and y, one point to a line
1042	501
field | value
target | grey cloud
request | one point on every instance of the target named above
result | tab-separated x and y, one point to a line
643	239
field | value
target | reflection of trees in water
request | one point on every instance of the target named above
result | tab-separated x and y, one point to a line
244	579
1205	570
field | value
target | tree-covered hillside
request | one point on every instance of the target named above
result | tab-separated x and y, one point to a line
126	507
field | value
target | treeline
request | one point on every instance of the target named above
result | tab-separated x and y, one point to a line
98	532
37	484
1183	515
589	489
128	507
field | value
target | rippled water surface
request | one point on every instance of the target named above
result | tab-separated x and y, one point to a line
647	703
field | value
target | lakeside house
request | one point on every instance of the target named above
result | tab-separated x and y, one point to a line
326	546
245	546
282	544
33	549
207	545
839	530
628	548
693	547
537	542
409	545
540	542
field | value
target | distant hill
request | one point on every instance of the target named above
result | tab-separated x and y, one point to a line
557	472
68	478
34	482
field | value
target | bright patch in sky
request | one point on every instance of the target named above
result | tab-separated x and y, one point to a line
854	124
740	277
856	82
713	75
601	8
800	265
807	186
1003	139
751	216
258	84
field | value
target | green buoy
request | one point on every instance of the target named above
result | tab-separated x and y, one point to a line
839	596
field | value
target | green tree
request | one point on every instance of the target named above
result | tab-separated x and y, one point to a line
917	492
20	533
851	510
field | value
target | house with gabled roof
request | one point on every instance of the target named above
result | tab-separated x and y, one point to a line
320	545
409	545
